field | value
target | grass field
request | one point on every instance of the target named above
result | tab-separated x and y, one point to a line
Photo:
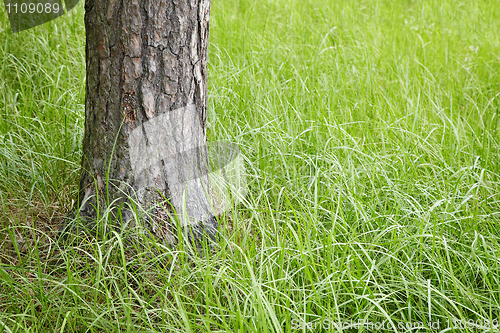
371	135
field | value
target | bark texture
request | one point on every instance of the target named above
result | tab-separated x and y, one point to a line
145	110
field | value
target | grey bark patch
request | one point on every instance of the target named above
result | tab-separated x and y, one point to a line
167	152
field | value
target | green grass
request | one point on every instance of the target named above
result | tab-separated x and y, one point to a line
371	135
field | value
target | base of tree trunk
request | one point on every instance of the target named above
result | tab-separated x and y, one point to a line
77	225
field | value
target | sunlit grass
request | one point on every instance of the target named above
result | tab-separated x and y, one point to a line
371	136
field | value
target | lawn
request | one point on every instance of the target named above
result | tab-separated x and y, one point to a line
371	137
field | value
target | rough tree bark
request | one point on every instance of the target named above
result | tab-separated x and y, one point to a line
145	112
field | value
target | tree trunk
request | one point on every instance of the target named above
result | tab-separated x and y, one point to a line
145	113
